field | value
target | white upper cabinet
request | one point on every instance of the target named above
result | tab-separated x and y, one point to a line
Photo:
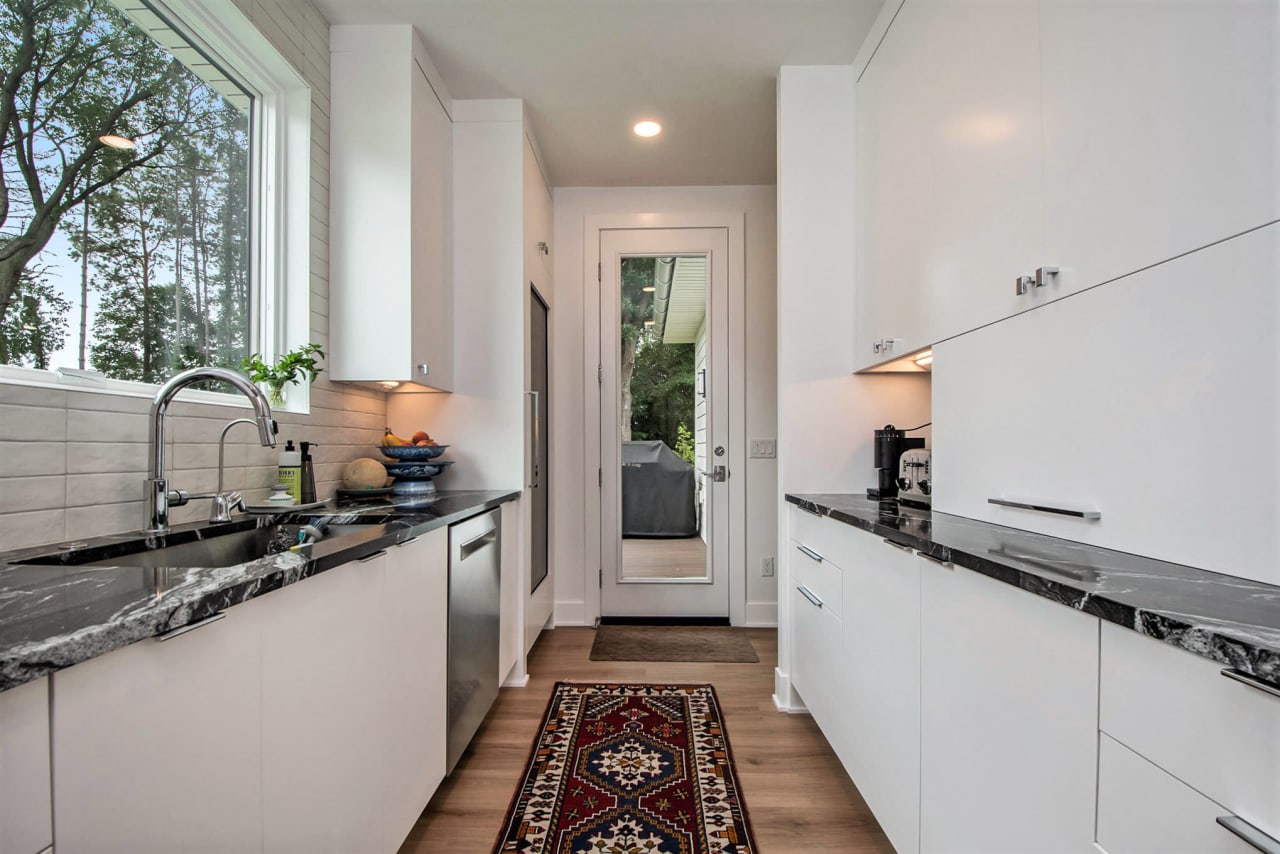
391	163
985	151
893	189
1160	129
1002	138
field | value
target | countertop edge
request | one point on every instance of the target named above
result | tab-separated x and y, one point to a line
28	662
1250	658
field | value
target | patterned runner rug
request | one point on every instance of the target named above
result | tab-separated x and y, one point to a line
629	769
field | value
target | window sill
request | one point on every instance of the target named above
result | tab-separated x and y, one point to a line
297	402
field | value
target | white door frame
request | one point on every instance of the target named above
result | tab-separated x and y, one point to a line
734	222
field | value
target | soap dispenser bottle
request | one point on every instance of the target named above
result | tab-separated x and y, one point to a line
308	473
291	470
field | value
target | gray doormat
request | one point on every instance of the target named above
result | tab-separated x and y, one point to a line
672	643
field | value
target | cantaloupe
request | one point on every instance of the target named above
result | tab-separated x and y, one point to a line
364	473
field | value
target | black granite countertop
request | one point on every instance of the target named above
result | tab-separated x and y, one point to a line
54	615
1231	620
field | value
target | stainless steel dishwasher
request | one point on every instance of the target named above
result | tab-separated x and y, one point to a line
474	603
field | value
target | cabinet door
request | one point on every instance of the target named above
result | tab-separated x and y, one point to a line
816	670
1009	718
1143	810
431	188
416	621
985	148
324	677
1118	399
158	746
26	823
1161	131
894	185
881	619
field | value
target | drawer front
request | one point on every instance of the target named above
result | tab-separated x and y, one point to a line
1143	810
816	671
820	577
1177	710
827	537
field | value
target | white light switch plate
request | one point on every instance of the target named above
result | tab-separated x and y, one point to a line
765	449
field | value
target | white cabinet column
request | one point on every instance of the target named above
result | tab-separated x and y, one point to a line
26	824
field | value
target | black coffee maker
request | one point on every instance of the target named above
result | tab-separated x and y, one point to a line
890	443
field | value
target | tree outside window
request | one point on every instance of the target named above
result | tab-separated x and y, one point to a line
135	261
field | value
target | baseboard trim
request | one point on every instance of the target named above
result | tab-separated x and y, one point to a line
761	615
664	621
785	699
571	614
516	681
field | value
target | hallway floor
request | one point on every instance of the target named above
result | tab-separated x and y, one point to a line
798	796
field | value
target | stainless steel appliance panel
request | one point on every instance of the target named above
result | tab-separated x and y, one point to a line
474	604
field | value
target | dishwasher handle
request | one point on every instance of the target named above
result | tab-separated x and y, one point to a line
477	543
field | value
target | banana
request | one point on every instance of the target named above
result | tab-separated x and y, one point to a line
390	439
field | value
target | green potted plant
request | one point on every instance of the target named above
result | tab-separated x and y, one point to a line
289	369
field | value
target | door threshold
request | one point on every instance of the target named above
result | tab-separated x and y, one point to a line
663	621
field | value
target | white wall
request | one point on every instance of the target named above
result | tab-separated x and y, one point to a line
826	415
72	463
576	549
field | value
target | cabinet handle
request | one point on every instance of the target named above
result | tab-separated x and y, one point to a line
1073	512
367	558
1252	681
1022	285
899	546
810	595
1264	842
406	542
190	627
945	564
810	553
1043	274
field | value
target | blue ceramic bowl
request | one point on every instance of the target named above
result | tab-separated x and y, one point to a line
416	471
412	452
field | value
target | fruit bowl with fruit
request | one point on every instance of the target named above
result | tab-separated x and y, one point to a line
420	447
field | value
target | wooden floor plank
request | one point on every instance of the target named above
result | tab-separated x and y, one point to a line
798	796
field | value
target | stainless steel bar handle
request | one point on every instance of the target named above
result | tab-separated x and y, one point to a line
476	543
810	595
536	462
939	561
1264	842
810	553
1073	512
190	627
900	546
379	553
406	542
1252	681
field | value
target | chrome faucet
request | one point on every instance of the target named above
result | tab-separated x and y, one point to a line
159	497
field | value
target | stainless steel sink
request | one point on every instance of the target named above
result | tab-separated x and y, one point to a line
217	549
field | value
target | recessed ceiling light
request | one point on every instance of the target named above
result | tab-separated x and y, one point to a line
110	140
647	128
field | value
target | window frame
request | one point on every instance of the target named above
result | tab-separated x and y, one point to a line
280	203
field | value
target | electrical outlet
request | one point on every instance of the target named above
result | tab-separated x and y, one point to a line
763	449
767	568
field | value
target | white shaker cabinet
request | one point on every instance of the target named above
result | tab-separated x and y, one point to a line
894	188
882	664
325	673
1009	718
1160	129
416	622
26	823
817	672
157	747
391	244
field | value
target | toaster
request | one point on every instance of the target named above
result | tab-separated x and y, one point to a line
915	480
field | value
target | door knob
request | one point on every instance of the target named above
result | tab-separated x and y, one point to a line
718	474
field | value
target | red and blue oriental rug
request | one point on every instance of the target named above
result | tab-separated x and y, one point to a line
629	769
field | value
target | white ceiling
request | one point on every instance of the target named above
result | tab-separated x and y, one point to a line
589	69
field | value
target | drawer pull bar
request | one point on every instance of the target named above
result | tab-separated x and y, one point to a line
1073	512
406	542
1252	681
810	553
1263	842
379	553
899	546
190	627
939	561
810	595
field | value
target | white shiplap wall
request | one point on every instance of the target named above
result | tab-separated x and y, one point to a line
72	463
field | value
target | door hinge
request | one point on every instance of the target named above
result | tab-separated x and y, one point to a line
599	272
600	477
602	578
599	374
